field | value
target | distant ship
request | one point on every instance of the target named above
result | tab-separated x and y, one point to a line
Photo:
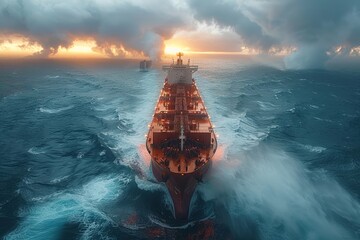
181	138
145	65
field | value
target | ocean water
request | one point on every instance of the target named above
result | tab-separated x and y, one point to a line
72	163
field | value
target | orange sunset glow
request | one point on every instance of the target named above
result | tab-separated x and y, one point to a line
16	46
19	46
79	49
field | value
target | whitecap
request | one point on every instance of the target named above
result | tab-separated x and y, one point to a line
80	155
314	149
55	110
104	107
110	117
36	151
323	120
27	181
60	179
314	107
104	189
292	110
52	76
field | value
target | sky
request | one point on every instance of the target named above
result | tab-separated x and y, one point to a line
308	33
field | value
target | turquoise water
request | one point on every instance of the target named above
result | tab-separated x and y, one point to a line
71	165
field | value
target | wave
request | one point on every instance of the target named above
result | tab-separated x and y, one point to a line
349	115
36	151
162	223
292	110
47	219
314	149
314	106
266	106
40	199
55	110
323	120
147	185
60	179
52	76
268	189
248	134
80	155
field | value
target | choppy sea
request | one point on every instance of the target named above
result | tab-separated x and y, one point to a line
71	162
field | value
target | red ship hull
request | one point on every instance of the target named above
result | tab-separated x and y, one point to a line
180	186
181	139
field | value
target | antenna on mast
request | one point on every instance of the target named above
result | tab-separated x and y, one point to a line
179	54
179	61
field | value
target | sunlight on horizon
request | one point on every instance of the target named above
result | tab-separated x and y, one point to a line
20	46
80	49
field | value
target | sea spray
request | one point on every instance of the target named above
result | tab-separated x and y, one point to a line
269	190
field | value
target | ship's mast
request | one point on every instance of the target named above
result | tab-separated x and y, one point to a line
179	60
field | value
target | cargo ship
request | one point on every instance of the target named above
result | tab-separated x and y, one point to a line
145	65
181	139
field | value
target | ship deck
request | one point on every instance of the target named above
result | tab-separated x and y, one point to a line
181	137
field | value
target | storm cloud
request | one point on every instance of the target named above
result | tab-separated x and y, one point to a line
318	30
116	26
314	28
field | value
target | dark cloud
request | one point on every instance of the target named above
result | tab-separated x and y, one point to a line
129	25
228	14
313	27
